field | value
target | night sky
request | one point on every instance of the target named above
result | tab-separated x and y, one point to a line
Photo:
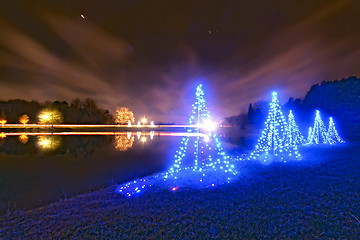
149	55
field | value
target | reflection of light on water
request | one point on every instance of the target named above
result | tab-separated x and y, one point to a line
143	139
2	135
128	135
152	134
123	143
23	138
138	134
48	142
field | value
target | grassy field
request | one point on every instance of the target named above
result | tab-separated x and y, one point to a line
318	197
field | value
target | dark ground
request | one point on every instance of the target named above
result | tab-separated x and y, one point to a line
317	198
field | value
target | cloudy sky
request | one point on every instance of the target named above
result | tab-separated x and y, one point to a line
149	55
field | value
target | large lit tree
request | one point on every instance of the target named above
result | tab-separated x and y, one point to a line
292	134
123	116
332	135
270	145
318	131
199	161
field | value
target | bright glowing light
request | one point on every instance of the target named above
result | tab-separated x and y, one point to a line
129	124
209	165
270	145
144	120
143	139
123	143
24	119
152	124
50	116
128	135
124	116
332	135
48	142
208	125
138	134
2	122
23	138
139	124
2	135
174	188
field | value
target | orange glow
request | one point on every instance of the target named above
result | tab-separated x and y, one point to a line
24	119
123	143
3	121
23	138
174	188
2	135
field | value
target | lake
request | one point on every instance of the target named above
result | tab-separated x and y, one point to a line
37	170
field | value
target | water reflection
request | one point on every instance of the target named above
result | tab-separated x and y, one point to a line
84	142
49	142
23	138
123	143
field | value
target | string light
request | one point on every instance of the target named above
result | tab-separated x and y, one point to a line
317	134
332	135
292	134
209	165
270	144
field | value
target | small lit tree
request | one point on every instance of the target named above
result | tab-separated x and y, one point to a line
124	116
332	135
24	119
292	134
318	131
2	122
50	116
270	144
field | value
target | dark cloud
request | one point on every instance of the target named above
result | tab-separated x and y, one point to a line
148	55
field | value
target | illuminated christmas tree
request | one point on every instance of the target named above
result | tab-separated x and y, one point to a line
270	145
209	159
292	134
332	135
199	161
318	131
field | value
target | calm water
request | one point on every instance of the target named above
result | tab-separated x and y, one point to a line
36	170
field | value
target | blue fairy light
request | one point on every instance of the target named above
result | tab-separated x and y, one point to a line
271	142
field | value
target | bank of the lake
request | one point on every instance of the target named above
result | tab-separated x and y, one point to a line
318	197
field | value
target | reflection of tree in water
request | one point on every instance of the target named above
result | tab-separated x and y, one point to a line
23	138
123	143
49	142
83	146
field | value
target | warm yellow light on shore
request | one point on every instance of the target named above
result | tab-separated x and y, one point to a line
144	120
2	135
3	121
50	116
24	119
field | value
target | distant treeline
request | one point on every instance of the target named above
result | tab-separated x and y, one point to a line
340	99
77	111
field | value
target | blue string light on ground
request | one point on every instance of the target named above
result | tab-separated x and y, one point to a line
270	145
199	162
292	134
